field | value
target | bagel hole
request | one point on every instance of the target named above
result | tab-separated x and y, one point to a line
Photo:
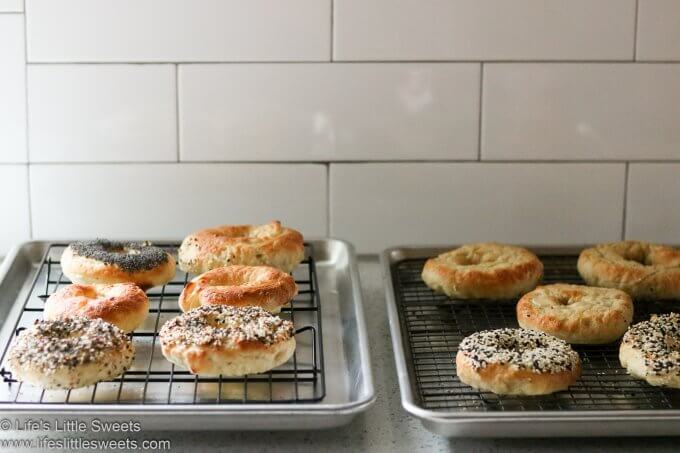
638	260
123	251
637	256
564	300
466	261
472	259
476	258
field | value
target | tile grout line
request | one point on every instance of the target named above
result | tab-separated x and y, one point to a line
635	29
625	201
357	62
177	136
354	161
332	28
479	124
28	152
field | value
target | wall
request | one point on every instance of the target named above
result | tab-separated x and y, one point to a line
379	121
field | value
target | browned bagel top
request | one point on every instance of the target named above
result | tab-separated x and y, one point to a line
268	244
262	286
99	300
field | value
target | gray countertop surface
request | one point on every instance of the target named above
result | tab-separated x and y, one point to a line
385	427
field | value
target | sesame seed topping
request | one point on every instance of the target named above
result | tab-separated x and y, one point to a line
68	343
522	348
129	256
222	325
658	339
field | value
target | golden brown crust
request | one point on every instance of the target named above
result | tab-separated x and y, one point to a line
270	244
641	269
80	269
124	305
240	286
483	271
505	379
577	314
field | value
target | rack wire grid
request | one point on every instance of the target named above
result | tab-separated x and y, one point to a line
433	325
153	380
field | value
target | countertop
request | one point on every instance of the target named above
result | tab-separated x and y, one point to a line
385	427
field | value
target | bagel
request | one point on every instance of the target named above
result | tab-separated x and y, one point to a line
107	262
251	245
124	305
240	286
517	362
641	269
70	353
227	341
483	271
650	350
576	314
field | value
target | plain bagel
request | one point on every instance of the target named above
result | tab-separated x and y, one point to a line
122	304
251	245
577	314
240	286
643	270
483	271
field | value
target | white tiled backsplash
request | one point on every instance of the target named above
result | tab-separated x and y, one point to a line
383	122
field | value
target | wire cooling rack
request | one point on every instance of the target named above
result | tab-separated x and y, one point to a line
153	380
433	325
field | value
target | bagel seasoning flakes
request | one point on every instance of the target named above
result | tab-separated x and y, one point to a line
525	349
658	339
129	256
51	345
222	325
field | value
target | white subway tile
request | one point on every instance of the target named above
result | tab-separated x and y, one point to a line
581	111
329	111
652	213
11	6
167	201
14	226
381	205
178	30
102	113
484	29
12	89
658	33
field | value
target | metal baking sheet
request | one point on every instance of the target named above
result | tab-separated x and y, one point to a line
427	327
298	398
